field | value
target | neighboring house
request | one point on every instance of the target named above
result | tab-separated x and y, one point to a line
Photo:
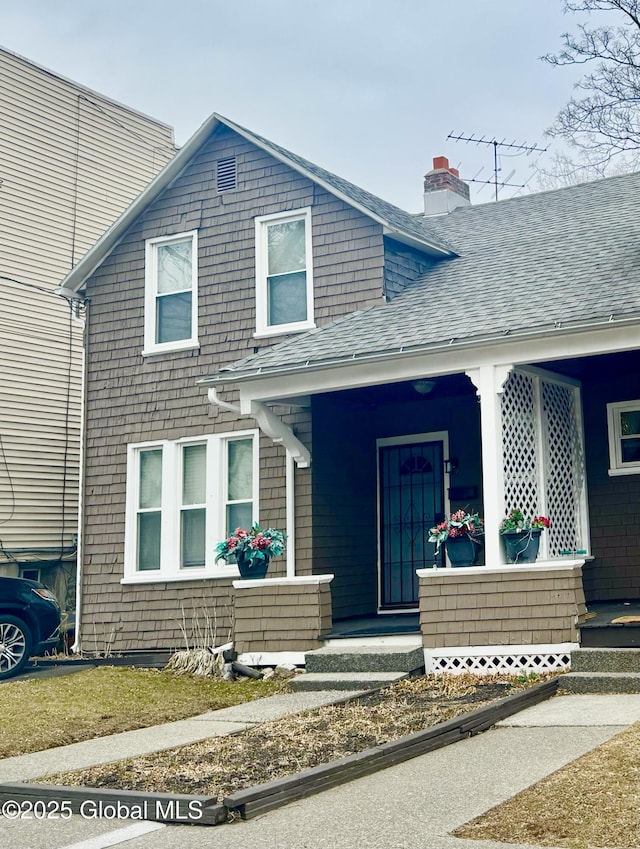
367	371
70	161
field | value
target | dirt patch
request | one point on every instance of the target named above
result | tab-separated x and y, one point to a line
223	765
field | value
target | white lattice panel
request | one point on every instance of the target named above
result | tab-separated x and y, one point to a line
564	463
507	660
544	457
521	472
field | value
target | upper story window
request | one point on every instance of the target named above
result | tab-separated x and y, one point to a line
623	418
171	293
183	497
284	273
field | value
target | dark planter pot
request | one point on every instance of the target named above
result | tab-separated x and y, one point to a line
462	551
522	546
249	572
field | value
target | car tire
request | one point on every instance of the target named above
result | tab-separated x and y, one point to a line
15	645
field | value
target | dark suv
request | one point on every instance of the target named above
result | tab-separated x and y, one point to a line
29	622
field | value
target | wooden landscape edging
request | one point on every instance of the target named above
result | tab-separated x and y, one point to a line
248	803
52	801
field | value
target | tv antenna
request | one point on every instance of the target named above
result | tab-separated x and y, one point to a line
496	144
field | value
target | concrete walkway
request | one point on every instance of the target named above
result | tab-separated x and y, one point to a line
414	805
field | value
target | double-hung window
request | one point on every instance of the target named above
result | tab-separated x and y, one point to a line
171	293
182	498
284	273
623	418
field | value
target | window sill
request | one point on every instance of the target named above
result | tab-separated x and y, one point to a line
284	329
172	349
195	575
631	470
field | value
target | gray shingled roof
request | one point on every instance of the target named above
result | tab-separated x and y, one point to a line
534	263
416	227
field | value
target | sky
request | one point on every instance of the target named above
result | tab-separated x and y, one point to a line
369	89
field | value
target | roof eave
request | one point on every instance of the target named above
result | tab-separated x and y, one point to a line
430	245
230	376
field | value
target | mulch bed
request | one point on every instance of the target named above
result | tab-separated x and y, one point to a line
223	765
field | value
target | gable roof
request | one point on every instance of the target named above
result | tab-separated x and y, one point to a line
396	222
539	264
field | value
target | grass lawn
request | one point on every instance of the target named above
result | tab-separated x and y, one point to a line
41	714
592	802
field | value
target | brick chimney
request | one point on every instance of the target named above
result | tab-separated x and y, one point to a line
444	191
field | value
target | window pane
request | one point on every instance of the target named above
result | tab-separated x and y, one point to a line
150	478
285	243
630	422
194	474
630	450
173	317
240	466
239	516
287	298
174	266
192	536
148	541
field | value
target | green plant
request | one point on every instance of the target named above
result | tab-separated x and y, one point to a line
255	544
459	524
514	522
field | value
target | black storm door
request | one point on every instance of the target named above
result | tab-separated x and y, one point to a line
411	501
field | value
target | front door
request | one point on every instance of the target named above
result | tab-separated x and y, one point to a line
411	500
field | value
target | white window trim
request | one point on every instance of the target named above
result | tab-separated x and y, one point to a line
262	328
616	464
171	503
150	294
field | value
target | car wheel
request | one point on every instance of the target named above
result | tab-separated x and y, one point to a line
15	645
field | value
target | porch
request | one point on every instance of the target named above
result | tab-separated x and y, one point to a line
559	438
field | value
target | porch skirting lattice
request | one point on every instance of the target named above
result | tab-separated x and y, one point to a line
487	660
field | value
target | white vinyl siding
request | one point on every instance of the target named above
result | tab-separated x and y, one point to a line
284	273
72	161
183	497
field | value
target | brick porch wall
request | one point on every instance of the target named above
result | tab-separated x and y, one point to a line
509	605
281	614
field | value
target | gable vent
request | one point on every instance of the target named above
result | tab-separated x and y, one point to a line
226	175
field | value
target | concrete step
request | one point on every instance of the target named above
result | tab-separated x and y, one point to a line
600	682
605	660
344	680
366	659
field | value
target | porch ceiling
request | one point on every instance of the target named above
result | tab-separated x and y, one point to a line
446	386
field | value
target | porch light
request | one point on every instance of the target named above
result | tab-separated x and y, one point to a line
424	387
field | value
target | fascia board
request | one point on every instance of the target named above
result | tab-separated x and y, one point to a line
434	362
76	278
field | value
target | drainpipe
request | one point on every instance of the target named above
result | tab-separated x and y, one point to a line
75	648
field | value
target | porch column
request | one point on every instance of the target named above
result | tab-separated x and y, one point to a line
489	381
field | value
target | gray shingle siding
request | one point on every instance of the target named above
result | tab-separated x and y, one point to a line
132	399
402	265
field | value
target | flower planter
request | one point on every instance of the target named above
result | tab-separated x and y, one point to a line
462	551
522	546
249	572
